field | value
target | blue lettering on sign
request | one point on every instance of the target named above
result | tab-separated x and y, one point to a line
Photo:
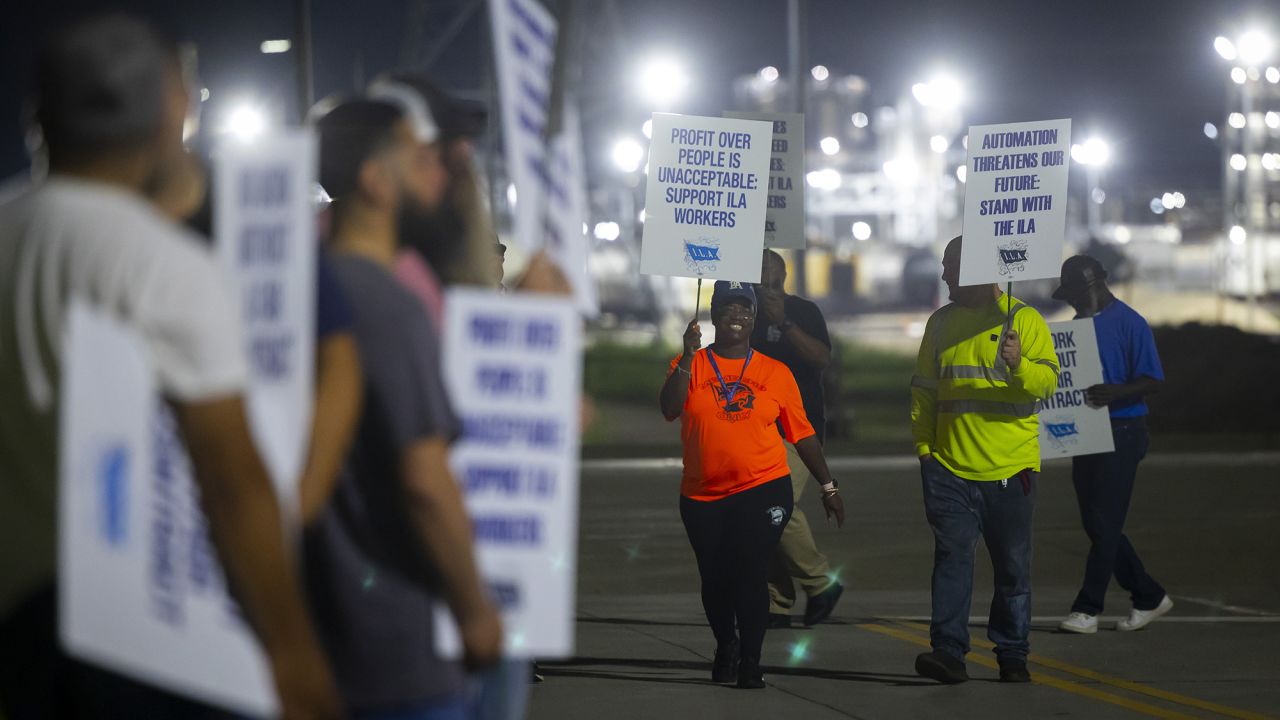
508	529
264	187
262	244
505	593
542	335
1062	429
490	330
702	253
270	354
502	430
113	489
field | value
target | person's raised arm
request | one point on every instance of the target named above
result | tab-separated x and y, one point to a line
675	391
245	529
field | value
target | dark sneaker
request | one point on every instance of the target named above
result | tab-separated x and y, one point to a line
942	667
778	621
822	605
750	676
1014	671
724	669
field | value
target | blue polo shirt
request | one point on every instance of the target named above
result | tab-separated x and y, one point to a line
1128	351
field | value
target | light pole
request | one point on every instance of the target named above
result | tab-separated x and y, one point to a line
1247	53
1093	154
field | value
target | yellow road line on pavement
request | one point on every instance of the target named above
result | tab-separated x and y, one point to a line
1043	679
1121	683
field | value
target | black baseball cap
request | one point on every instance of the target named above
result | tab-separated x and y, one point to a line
1078	273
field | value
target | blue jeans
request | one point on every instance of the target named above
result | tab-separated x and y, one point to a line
959	511
1104	486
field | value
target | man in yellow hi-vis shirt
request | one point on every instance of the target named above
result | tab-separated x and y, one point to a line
980	377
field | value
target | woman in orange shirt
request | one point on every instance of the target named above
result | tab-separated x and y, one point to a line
736	493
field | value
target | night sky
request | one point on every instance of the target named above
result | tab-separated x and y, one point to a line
1143	74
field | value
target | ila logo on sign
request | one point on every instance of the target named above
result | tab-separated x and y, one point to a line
1012	257
702	256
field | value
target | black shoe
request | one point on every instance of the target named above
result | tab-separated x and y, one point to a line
779	621
1014	671
942	667
821	605
724	669
749	675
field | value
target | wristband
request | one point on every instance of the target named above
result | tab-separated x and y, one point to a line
686	372
831	487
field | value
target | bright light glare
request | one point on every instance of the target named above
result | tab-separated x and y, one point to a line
939	144
1237	235
827	179
512	195
204	94
1098	195
820	73
642	216
1225	48
607	231
627	155
861	231
943	92
829	145
647	129
1236	120
663	80
245	123
1157	206
1272	120
962	173
1273	75
1238	76
1254	47
1123	235
273	47
901	170
769	74
1268	161
860	120
1093	151
1179	200
1167	201
1211	131
1238	163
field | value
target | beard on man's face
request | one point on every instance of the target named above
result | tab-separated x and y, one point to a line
436	235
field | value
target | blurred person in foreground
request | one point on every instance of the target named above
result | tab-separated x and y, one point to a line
791	330
985	365
110	103
736	493
395	536
1104	482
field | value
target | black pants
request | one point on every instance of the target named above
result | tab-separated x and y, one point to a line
734	539
1104	485
38	681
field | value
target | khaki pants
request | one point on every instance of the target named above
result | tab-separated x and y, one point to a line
797	558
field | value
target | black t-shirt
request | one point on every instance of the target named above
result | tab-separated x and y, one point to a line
768	339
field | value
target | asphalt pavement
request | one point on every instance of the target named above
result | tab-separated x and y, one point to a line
1207	526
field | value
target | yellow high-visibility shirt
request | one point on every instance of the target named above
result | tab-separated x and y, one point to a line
975	415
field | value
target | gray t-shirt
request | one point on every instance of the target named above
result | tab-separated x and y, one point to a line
370	583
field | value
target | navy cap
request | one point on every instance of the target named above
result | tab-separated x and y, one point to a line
727	290
1078	273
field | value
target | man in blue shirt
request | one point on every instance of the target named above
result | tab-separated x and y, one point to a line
1104	481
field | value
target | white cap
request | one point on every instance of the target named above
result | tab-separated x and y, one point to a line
413	105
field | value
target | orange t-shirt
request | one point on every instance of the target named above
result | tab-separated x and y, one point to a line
735	448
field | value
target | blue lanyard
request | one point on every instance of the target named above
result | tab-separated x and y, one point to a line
728	394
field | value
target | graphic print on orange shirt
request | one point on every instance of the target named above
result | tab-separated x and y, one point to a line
744	401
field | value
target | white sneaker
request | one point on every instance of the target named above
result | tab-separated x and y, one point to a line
1078	622
1139	619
